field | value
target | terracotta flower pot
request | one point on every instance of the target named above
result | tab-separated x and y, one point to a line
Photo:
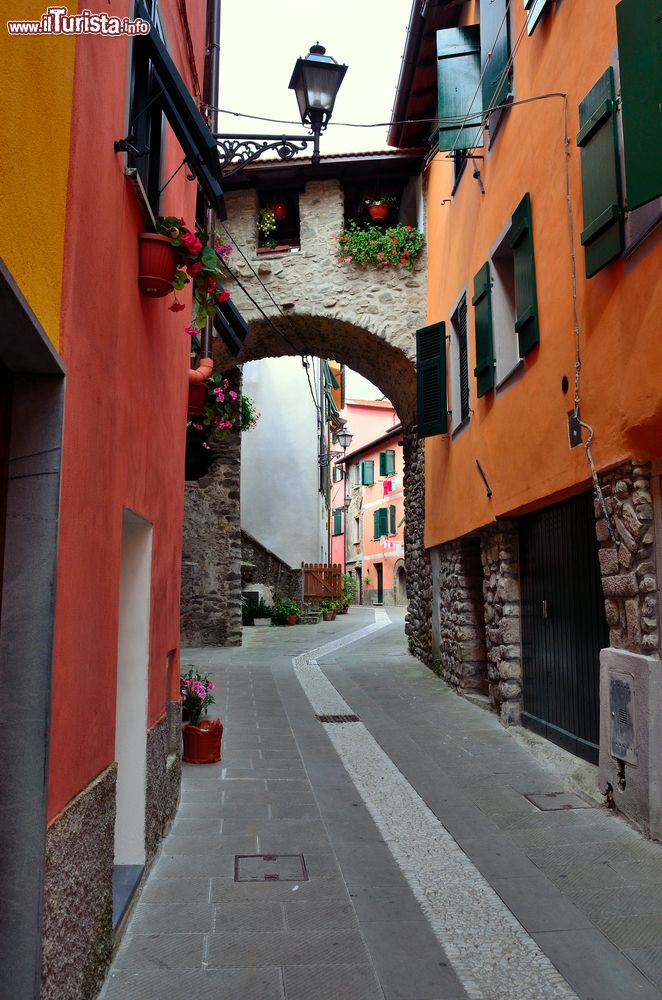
328	616
292	619
344	609
202	743
197	397
378	212
280	210
157	267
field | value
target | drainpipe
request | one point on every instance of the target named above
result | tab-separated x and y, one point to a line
210	97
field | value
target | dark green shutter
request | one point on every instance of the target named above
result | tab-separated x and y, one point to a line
391	520
367	473
382	463
602	236
337	522
458	86
386	463
383	521
482	303
376	523
639	24
536	9
526	302
494	50
432	415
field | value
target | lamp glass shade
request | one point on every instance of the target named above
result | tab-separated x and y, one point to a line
344	438
315	82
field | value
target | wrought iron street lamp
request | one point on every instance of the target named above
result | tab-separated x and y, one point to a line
344	439
315	81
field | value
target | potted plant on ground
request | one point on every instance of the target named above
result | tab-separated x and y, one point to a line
328	609
202	738
290	610
262	613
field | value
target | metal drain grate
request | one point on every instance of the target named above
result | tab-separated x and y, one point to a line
338	718
270	868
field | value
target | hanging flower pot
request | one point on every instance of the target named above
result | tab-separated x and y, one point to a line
157	267
280	210
197	396
378	212
202	742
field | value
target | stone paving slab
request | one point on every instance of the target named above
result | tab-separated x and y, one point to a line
354	930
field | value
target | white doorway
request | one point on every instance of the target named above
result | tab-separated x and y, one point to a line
131	706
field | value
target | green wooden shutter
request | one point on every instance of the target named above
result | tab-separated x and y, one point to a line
388	462
432	415
367	473
536	9
391	520
337	522
458	87
383	521
382	463
376	523
639	25
526	302
602	236
482	303
494	50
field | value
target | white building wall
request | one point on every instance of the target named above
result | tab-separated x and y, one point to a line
281	505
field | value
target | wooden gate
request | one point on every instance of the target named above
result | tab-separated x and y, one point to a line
321	582
563	625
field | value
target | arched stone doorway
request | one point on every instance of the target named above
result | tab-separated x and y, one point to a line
400	584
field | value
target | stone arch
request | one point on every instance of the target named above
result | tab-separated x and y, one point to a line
307	304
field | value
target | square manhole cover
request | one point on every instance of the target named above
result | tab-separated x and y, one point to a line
270	868
548	801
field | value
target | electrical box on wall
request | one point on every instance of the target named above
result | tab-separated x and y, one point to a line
622	731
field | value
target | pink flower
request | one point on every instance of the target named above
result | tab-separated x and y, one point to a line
191	330
191	243
176	307
225	383
194	268
197	427
350	259
205	445
223	296
233	394
333	236
211	686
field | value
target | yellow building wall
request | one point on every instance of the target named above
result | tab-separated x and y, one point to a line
36	81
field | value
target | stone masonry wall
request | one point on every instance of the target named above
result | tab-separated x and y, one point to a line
259	565
164	773
627	562
458	589
78	894
417	558
211	563
390	304
501	593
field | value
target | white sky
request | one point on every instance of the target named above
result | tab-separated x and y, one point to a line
358	387
262	39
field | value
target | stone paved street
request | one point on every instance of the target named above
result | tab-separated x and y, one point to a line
430	875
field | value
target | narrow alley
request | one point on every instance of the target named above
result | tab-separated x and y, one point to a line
419	851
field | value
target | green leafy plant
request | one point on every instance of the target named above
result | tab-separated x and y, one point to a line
387	199
266	223
399	246
348	592
263	610
328	606
198	261
195	690
224	409
366	580
283	609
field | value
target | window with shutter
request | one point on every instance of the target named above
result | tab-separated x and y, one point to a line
386	463
431	407
383	521
536	9
337	522
376	523
482	303
602	236
459	365
368	473
458	87
494	52
391	520
526	302
639	27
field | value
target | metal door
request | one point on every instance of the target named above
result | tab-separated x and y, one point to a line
380	583
563	625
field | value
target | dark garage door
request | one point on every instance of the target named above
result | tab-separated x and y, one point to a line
563	625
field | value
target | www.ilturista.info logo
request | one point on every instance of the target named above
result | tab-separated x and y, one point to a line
58	21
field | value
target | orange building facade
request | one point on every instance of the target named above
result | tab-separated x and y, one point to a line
540	372
94	382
